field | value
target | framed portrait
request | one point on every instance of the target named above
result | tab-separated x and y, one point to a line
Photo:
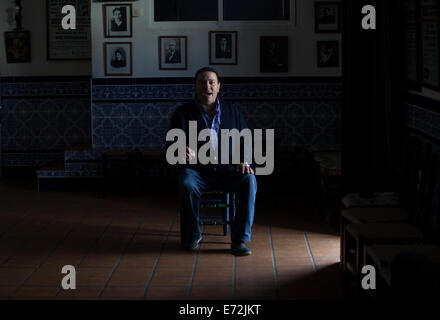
118	59
223	47
274	55
328	53
18	46
117	20
172	52
327	17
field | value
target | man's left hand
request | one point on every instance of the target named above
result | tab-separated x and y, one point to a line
244	168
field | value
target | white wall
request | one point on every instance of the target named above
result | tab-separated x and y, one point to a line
302	43
435	95
34	20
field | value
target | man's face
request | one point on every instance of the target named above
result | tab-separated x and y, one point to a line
207	87
172	46
223	42
117	15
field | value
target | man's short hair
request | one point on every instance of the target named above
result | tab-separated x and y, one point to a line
117	9
206	69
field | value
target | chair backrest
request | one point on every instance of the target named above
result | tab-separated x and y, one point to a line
424	187
409	174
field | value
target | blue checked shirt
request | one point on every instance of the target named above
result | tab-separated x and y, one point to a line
212	122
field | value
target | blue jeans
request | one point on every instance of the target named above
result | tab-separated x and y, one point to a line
191	185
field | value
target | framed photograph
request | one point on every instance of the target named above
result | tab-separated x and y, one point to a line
328	53
274	55
118	59
223	47
18	46
173	53
117	21
327	17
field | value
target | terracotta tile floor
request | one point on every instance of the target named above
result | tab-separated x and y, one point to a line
128	248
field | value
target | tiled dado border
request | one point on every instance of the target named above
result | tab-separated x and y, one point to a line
181	89
135	113
45	86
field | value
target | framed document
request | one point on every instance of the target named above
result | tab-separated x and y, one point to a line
172	53
430	38
117	21
223	47
68	44
118	59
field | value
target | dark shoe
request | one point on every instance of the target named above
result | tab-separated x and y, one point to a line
240	248
194	245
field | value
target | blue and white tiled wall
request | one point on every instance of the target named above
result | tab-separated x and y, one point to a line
42	116
423	119
137	115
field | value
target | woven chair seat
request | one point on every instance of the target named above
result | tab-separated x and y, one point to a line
373	214
379	199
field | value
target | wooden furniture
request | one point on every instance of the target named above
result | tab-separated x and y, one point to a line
384	206
362	227
328	168
219	200
118	165
419	264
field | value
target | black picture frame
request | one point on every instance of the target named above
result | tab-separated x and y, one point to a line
327	53
126	27
228	56
327	17
179	60
274	54
68	45
112	66
18	46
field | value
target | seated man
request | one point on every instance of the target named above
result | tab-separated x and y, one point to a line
210	113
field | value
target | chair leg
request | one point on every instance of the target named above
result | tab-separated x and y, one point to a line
227	215
342	243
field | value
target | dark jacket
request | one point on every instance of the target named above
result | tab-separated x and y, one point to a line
230	118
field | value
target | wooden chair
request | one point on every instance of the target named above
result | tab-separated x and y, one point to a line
416	168
357	236
213	199
328	168
416	259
